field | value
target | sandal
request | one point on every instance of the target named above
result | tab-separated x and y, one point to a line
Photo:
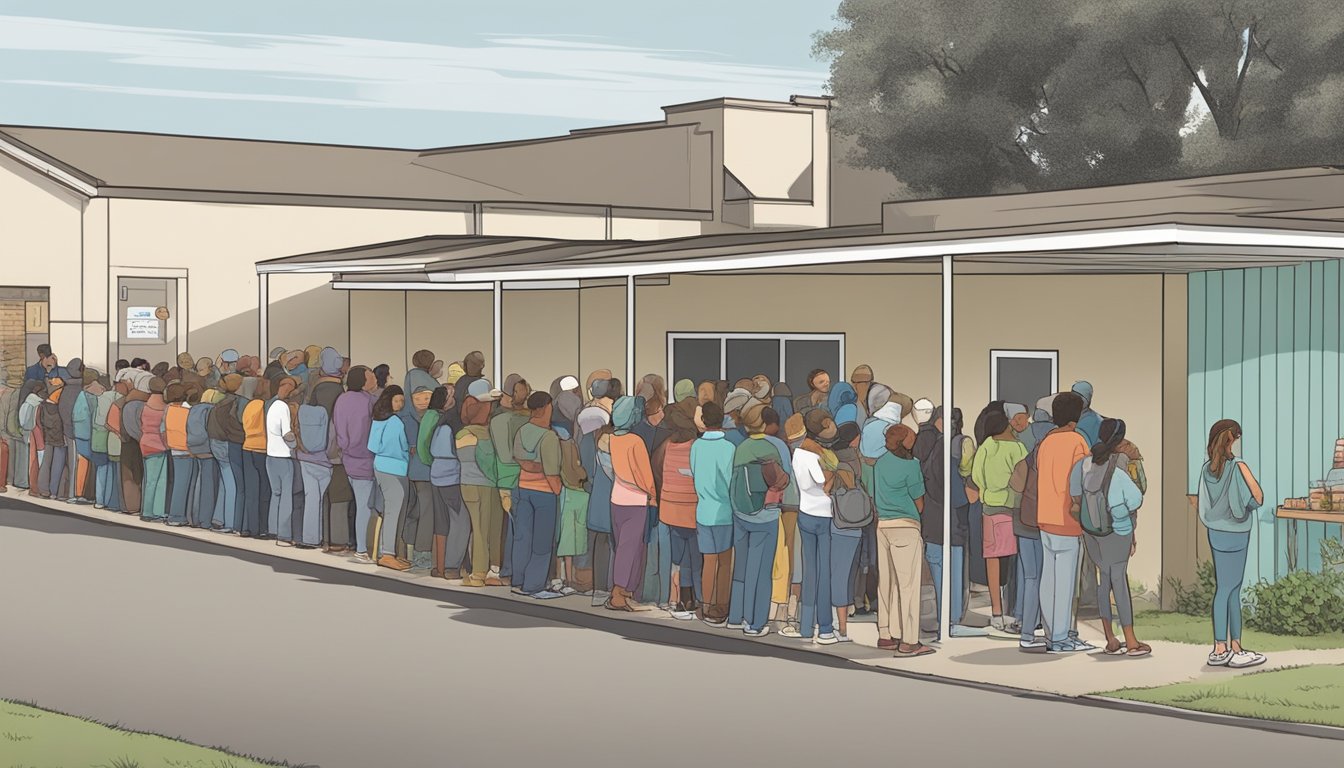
1142	649
918	649
1115	650
610	606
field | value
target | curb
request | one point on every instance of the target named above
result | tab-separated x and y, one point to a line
653	630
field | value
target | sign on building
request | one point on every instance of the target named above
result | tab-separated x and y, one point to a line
141	323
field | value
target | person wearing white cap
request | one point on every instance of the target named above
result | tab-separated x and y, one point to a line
733	406
923	411
1021	423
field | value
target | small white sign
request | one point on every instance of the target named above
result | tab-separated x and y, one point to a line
140	313
142	329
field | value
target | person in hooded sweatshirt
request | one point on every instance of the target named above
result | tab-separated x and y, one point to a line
391	461
473	367
843	404
1089	425
536	448
418	527
756	494
106	446
595	456
124	419
452	526
352	418
83	414
479	484
676	508
572	539
77	469
155	450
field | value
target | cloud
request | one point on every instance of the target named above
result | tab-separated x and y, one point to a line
562	76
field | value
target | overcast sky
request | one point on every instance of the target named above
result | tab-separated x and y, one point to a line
412	73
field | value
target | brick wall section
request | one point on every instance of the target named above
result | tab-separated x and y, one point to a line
13	340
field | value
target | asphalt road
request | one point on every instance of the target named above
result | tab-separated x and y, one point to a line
297	662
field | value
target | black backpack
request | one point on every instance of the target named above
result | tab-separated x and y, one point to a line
851	508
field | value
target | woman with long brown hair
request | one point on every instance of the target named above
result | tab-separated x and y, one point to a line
1228	497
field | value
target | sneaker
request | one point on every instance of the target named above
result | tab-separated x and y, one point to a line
683	615
827	639
716	623
1067	647
1245	658
839	638
545	594
961	630
998	630
565	590
363	557
1083	644
792	633
735	625
762	632
1220	659
1034	643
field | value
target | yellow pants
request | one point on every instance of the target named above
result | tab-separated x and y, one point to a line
782	569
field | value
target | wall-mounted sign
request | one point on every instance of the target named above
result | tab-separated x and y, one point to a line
37	316
141	323
161	313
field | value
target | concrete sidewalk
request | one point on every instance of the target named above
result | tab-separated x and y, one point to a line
976	661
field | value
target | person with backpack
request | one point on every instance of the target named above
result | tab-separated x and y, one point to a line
814	470
1229	496
756	493
333	509
316	451
106	446
991	469
1108	501
1030	556
480	480
205	505
898	494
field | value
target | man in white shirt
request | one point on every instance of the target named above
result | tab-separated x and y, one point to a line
814	527
280	460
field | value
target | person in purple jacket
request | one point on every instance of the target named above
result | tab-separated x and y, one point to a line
351	418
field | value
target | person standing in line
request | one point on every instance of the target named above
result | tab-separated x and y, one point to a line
224	426
124	418
280	444
155	451
1061	535
55	452
417	528
711	473
1229	495
256	481
205	506
676	508
77	468
452	522
571	546
1021	423
83	413
480	485
991	470
317	454
756	494
391	460
536	448
106	446
814	470
176	412
1108	501
898	494
352	419
595	455
333	512
633	492
783	600
504	426
818	391
448	469
1089	424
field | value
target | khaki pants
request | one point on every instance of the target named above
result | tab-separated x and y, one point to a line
900	550
781	571
487	522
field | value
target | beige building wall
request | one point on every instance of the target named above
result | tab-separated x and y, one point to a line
220	244
41	247
448	323
378	325
629	228
602	330
543	223
1108	331
541	335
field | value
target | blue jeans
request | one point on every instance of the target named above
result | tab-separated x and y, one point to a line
316	478
363	489
179	487
229	459
534	516
684	553
933	555
844	559
1030	558
156	487
753	554
1229	570
815	610
107	482
1059	579
280	472
207	491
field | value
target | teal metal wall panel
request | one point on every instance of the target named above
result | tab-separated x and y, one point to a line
1266	348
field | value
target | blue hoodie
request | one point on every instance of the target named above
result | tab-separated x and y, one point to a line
843	403
712	471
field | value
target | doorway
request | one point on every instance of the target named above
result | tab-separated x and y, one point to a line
24	317
147	318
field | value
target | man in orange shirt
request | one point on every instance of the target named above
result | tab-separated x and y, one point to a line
1061	535
536	448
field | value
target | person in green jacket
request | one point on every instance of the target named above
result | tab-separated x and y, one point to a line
991	468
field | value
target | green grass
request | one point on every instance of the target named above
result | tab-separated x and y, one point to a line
1198	630
36	738
1312	694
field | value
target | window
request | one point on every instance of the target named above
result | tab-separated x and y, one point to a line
788	357
1023	376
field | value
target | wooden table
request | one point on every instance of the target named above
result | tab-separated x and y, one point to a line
1294	516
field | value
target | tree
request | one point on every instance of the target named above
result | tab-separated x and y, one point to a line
986	96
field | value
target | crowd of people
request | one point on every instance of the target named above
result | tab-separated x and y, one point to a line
734	503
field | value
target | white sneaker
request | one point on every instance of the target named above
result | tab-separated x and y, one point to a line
1220	659
1244	658
735	625
683	615
1032	644
762	632
789	631
363	557
827	639
999	630
839	638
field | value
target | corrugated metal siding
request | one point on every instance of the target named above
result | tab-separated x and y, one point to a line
1267	349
